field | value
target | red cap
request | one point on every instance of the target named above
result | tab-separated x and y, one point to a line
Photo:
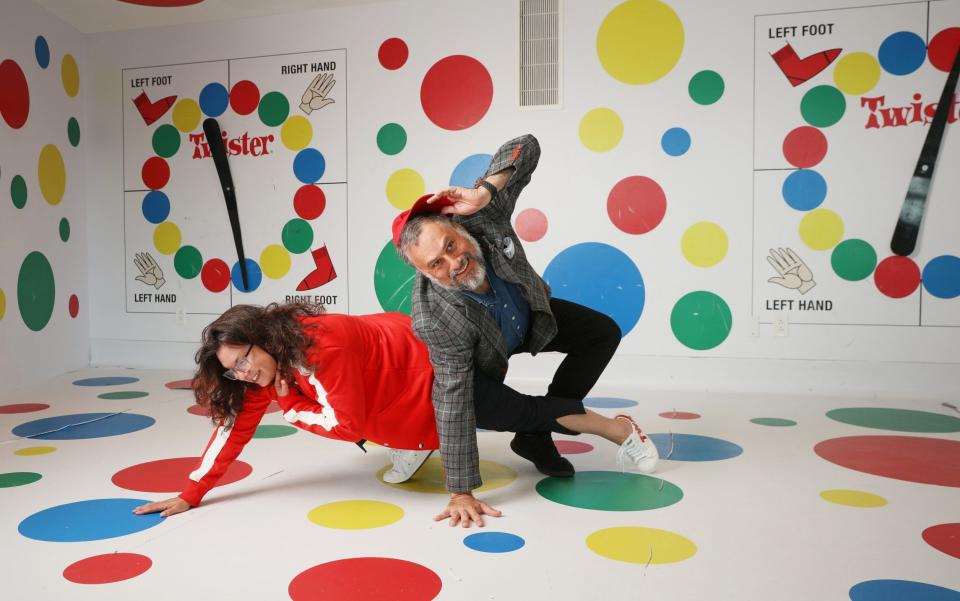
420	206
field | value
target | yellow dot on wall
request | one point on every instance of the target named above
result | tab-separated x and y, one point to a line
52	174
3	303
296	132
430	479
601	129
186	115
853	498
404	187
857	73
355	515
70	74
166	237
275	261
640	41
821	229
35	451
641	545
704	244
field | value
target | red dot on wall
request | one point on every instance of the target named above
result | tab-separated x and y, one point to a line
456	92
309	202
531	225
215	275
636	204
943	48
73	305
897	277
393	53
805	146
15	96
156	173
244	97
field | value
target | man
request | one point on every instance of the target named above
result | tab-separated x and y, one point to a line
476	301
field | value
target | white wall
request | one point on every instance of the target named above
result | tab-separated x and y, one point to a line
715	183
60	343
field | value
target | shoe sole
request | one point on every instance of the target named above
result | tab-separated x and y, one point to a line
544	470
412	474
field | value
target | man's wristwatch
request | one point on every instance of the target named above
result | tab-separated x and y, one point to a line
482	183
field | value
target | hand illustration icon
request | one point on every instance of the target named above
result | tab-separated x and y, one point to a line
794	273
315	96
150	272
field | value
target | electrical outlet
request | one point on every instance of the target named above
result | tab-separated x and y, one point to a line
181	316
781	328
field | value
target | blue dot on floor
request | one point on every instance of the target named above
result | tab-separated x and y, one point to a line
804	189
96	519
494	542
898	590
466	173
106	381
692	447
902	53
601	277
941	276
608	403
675	141
83	425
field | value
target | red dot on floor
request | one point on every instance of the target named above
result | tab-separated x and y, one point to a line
215	275
171	475
156	173
531	225
456	92
680	415
15	99
23	408
805	146
572	447
393	53
244	97
74	305
309	202
910	458
103	569
943	47
945	538
897	277
198	410
636	204
180	385
368	578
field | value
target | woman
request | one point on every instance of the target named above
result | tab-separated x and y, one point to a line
345	377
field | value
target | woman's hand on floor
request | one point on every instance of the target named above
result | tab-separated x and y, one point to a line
166	508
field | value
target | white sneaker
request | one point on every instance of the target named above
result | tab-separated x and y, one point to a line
405	465
637	450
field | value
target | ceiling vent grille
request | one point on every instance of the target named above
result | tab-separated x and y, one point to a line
539	53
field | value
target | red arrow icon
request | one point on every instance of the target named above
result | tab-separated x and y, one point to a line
799	70
151	111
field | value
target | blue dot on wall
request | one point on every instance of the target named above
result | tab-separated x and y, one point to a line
494	542
42	51
902	53
106	381
156	207
254	276
309	165
96	519
675	141
79	426
693	447
601	277
214	99
804	189
895	590
608	403
469	169
941	276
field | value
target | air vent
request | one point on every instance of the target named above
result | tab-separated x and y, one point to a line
539	53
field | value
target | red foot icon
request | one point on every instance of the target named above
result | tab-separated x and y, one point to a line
151	111
322	274
799	70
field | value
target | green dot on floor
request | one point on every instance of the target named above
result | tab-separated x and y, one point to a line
610	491
269	431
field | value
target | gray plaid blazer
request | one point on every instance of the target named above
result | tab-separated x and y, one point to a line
460	333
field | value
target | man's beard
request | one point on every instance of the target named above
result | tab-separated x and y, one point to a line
472	282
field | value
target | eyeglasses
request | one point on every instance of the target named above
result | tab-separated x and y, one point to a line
242	366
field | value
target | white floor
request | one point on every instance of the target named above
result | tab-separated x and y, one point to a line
761	529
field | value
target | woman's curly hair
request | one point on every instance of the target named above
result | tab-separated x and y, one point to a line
276	329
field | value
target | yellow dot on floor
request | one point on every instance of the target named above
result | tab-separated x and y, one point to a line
635	544
355	514
430	477
853	498
601	129
640	41
35	451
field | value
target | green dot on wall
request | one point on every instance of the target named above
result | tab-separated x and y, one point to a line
391	139
393	280
297	236
274	108
18	191
166	141
823	106
64	229
706	87
36	291
188	262
73	132
701	320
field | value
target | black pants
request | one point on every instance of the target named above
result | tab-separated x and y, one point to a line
589	339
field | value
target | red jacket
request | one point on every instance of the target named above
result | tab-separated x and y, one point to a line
371	380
